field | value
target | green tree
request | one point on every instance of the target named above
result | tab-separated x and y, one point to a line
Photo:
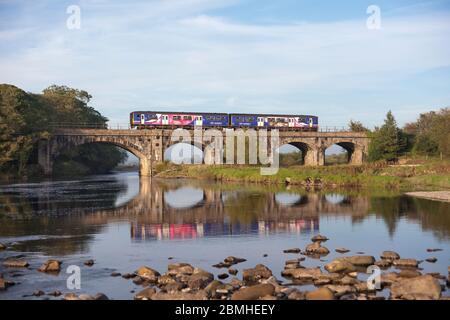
388	141
357	126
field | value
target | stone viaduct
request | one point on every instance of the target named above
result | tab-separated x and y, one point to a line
149	145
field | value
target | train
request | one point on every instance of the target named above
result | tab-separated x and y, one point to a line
165	119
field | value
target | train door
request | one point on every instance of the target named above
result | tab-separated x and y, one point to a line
310	122
260	122
291	122
165	119
198	120
142	118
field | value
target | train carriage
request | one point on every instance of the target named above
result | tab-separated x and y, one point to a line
147	119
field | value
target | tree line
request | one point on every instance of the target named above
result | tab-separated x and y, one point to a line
26	118
429	135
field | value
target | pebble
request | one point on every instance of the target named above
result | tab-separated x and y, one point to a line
89	263
341	250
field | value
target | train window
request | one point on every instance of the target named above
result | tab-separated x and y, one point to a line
176	118
187	118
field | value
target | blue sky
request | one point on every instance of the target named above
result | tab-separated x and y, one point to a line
302	56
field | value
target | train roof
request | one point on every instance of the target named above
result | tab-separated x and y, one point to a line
271	115
182	112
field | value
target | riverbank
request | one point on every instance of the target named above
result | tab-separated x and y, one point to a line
436	195
426	176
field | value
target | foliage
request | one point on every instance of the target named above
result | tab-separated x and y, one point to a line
25	118
388	142
431	132
357	126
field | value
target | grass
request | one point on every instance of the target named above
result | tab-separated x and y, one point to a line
431	175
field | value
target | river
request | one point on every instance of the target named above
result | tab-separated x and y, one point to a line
122	223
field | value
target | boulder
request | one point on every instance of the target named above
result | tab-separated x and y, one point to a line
100	296
340	265
316	248
2	246
148	274
257	273
232	271
212	287
431	260
179	295
409	273
413	263
223	276
423	287
71	296
15	263
50	266
254	292
341	250
340	290
293	250
4	284
297	295
305	274
361	261
390	255
177	269
233	260
319	238
89	263
320	294
383	263
200	280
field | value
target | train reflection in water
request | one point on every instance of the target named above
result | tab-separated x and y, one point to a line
166	231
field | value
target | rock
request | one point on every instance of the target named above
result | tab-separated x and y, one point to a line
50	266
265	255
304	274
222	265
360	261
293	250
341	250
431	260
177	269
175	287
85	296
232	271
165	279
287	180
390	255
409	273
115	274
437	275
316	248
348	281
100	296
353	274
128	275
422	287
340	290
362	287
138	280
340	265
71	296
212	287
383	263
200	295
145	294
406	263
322	281
38	293
89	263
223	276
319	238
297	295
4	284
433	250
2	246
320	294
55	293
254	292
148	274
15	263
234	260
257	273
387	279
200	280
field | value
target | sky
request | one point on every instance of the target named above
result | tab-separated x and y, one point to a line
255	56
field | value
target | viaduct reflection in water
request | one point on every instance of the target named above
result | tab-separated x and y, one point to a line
192	209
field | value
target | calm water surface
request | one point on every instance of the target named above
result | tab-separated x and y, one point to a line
122	223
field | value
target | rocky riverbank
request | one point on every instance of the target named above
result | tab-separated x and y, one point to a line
343	278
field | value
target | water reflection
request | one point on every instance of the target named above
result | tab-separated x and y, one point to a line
178	209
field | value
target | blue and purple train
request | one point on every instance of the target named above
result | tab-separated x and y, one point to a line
148	119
